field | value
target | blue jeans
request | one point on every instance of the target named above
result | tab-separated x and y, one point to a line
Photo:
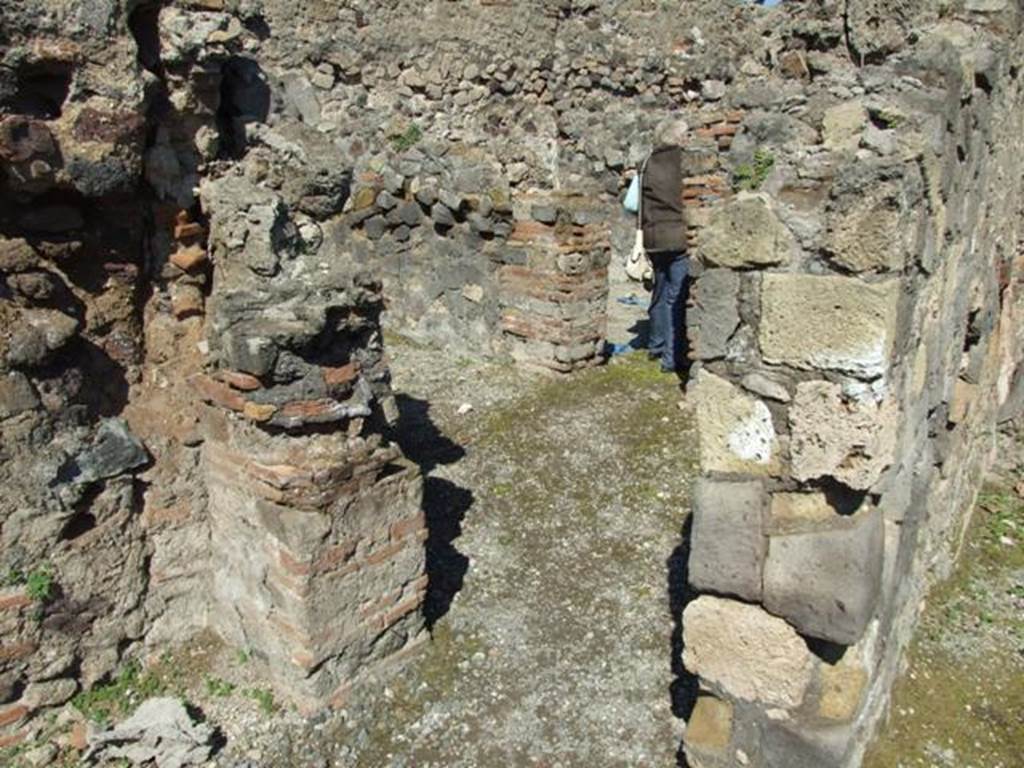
668	305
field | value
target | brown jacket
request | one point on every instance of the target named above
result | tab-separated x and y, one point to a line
661	206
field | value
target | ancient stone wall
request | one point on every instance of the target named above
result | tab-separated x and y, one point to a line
73	554
208	206
462	134
200	198
193	384
856	332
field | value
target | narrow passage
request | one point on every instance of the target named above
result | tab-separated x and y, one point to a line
556	508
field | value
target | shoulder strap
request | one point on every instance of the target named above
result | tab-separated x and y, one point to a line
640	197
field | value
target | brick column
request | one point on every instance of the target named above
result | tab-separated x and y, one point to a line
319	559
317	528
554	284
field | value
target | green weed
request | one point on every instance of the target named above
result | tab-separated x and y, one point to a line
104	704
39	583
886	118
408	138
751	176
13	578
264	698
215	686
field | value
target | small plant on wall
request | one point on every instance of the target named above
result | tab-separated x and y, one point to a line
408	138
750	176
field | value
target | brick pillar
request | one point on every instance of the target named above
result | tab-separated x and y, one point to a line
317	528
554	291
319	559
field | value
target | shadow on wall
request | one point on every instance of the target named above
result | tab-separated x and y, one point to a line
244	98
683	689
444	503
41	89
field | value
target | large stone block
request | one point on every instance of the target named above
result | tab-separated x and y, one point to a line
853	323
784	744
827	582
843	125
736	430
833	436
842	689
728	544
713	315
868	237
745	232
746	652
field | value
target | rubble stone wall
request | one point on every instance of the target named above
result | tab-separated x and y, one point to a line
856	338
208	209
471	130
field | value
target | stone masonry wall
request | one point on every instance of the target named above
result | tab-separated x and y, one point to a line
479	115
73	551
208	208
856	337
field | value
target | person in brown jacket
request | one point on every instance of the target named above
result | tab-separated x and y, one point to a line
664	229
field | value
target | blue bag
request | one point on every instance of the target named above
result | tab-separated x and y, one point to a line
632	200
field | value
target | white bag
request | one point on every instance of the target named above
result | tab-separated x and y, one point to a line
638	265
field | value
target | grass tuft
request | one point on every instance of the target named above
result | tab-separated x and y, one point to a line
750	176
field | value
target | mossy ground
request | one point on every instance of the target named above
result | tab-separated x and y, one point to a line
961	701
559	645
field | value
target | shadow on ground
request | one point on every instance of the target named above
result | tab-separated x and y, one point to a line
683	689
444	503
